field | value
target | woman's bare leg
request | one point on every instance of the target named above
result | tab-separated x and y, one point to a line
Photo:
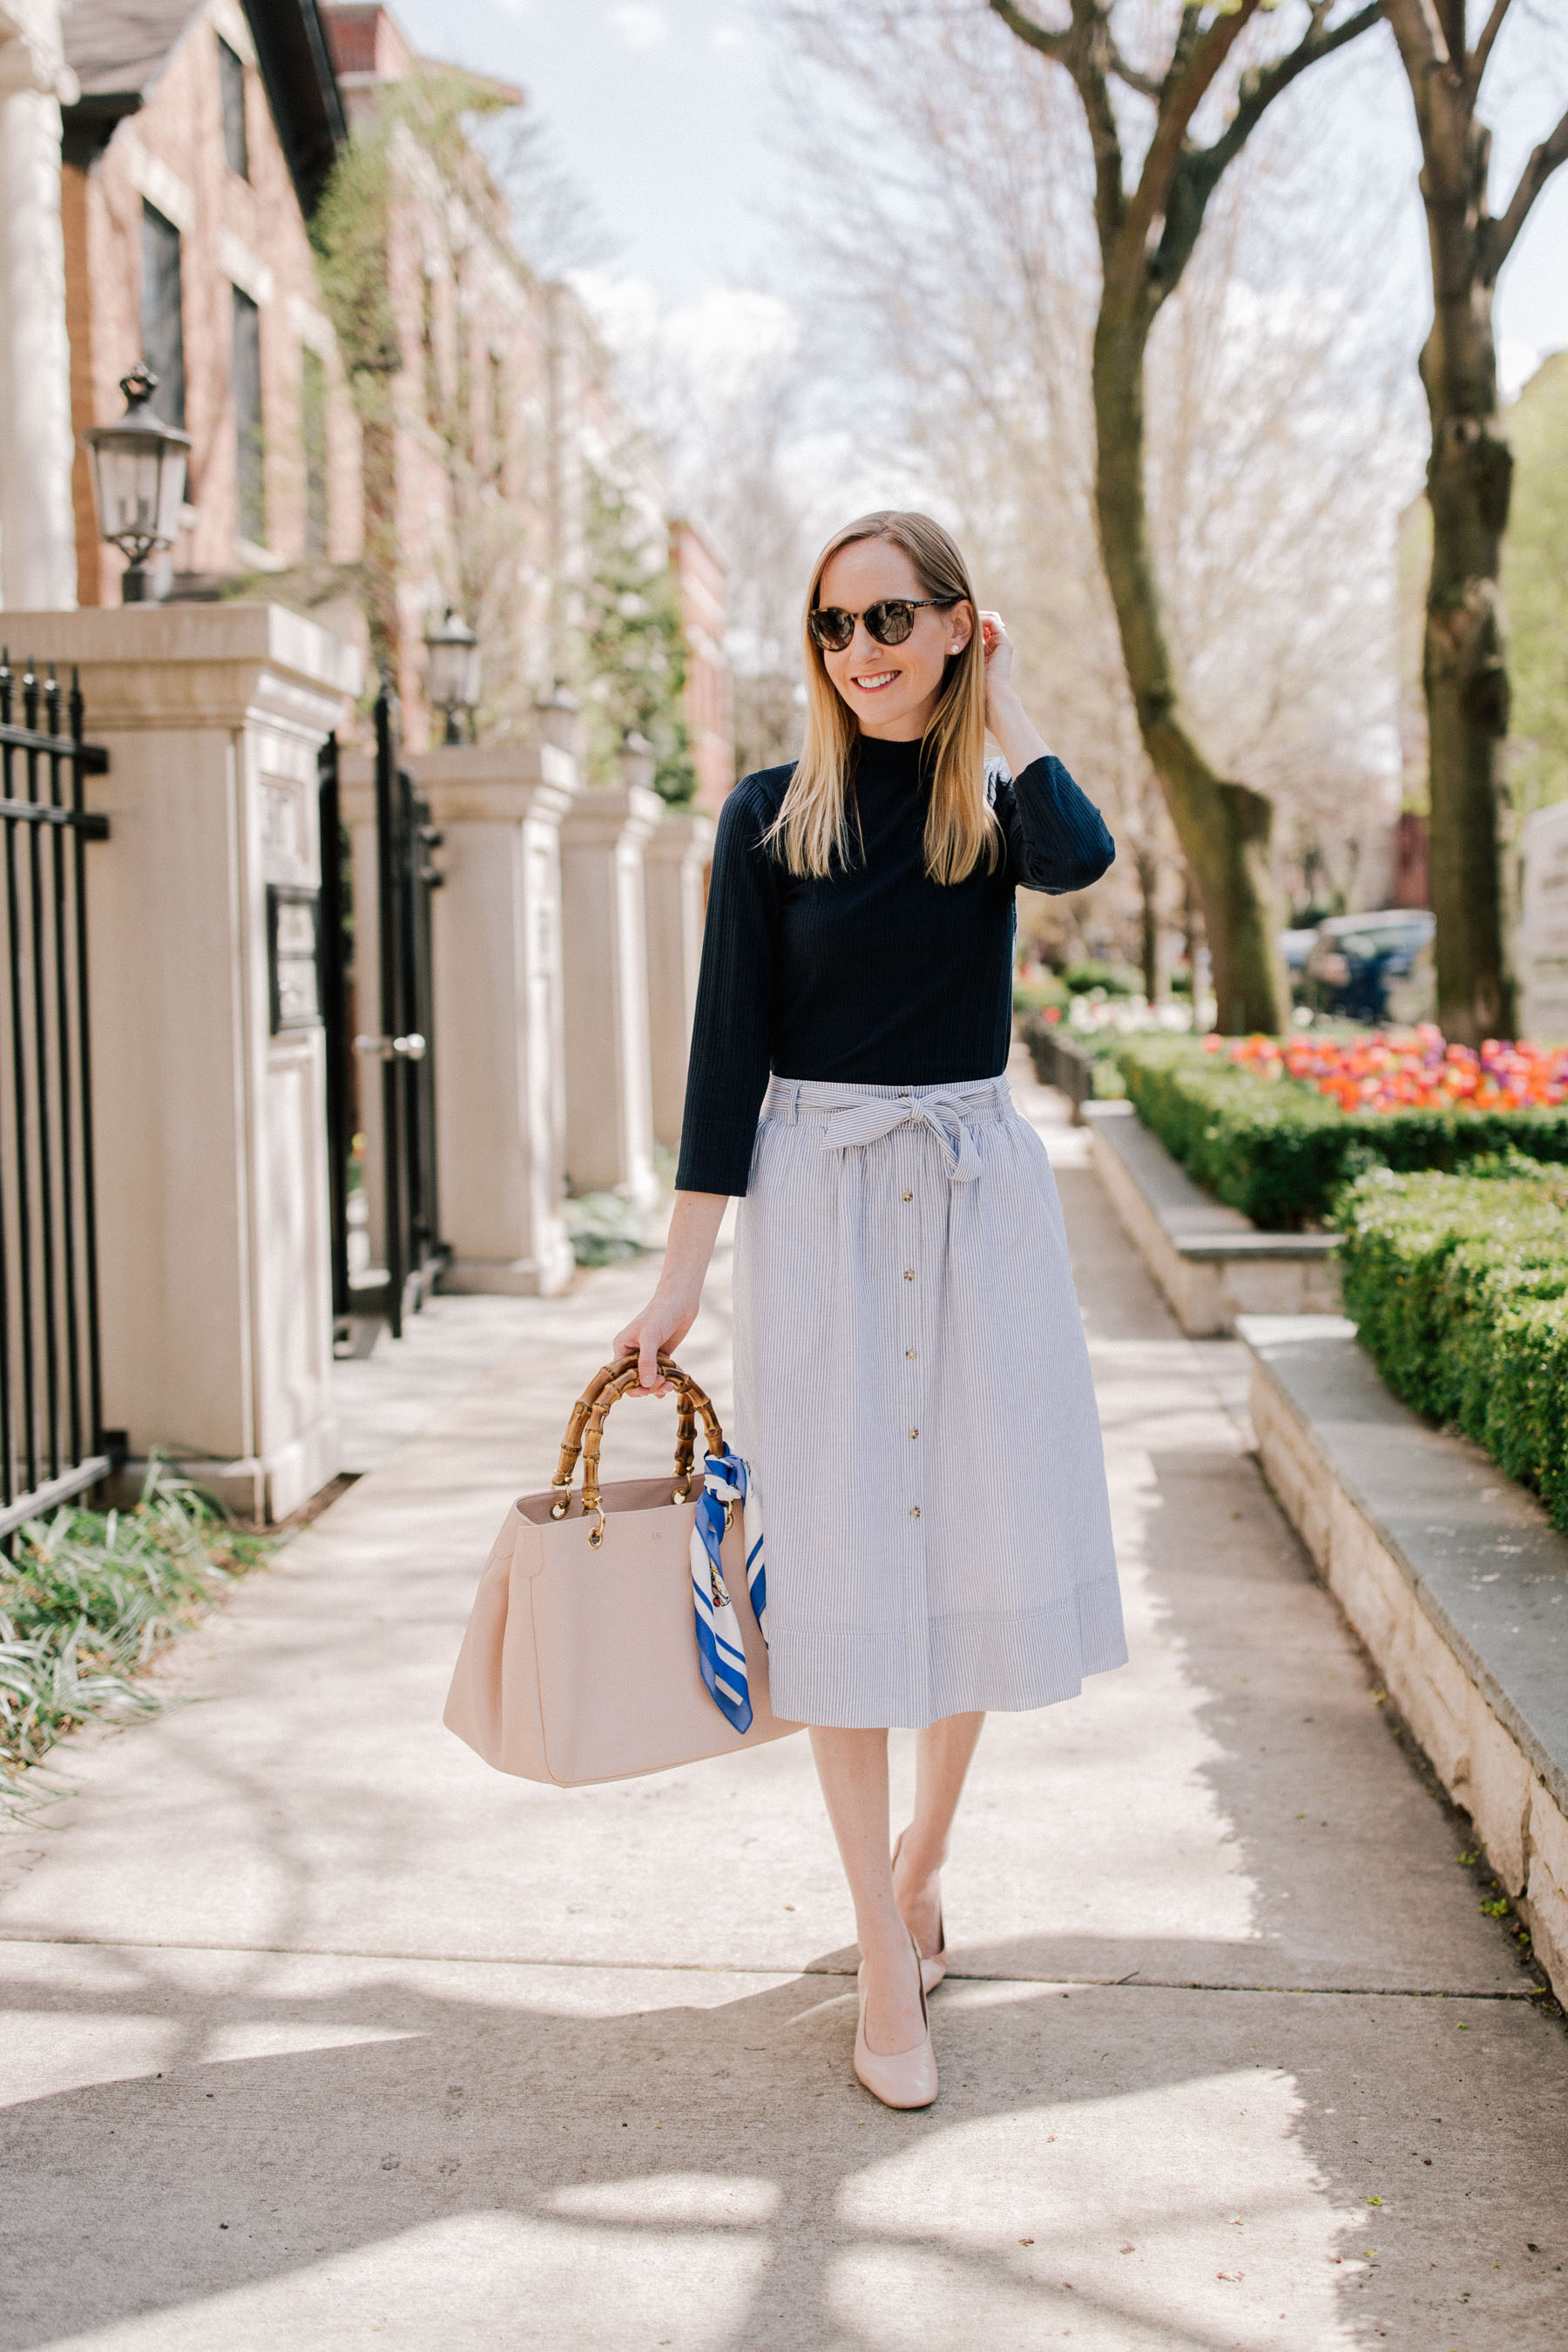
852	1766
943	1754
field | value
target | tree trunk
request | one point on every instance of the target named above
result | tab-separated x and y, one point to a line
1148	866
1225	828
1463	668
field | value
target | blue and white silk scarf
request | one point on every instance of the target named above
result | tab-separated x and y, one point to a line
720	1653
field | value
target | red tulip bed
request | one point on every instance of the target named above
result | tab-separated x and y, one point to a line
1406	1069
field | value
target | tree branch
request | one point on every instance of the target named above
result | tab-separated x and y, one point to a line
1482	51
1450	16
1056	46
1499	235
1259	89
1200	169
1188	84
1147	85
1084	51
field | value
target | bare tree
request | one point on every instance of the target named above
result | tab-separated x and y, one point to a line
953	224
1211	63
1469	480
717	393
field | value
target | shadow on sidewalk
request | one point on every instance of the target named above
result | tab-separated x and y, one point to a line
729	2144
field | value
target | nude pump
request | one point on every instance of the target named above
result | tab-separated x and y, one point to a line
907	2079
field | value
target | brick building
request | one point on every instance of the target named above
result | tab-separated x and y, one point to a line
436	445
201	142
493	403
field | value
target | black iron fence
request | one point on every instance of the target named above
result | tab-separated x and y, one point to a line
1059	1061
337	1022
406	879
52	1439
400	988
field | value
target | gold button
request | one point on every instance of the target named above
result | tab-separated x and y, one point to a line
914	1510
909	1273
914	1432
911	1353
908	1196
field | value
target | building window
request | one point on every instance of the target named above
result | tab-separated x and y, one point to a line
231	85
313	435
162	315
250	468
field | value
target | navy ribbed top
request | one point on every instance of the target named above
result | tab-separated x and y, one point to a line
874	974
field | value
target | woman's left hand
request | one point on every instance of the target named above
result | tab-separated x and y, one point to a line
998	646
1005	717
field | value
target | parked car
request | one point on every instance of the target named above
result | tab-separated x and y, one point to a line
1373	967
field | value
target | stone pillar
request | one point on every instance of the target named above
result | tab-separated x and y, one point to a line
37	530
211	1140
500	1101
676	862
610	1103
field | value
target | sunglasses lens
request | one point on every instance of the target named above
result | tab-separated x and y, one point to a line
891	624
832	627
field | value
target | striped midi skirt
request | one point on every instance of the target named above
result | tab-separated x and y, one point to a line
912	1392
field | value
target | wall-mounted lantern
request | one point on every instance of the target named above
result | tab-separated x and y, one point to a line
452	679
138	480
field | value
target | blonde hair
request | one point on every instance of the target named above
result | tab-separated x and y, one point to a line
811	828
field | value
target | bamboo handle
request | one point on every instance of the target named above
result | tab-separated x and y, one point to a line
585	1430
572	1443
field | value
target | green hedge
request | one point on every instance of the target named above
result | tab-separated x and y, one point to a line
1281	1153
1034	995
1459	1285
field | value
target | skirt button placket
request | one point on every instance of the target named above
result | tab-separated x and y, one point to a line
907	1147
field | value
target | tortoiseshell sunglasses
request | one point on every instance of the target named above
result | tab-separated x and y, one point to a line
889	623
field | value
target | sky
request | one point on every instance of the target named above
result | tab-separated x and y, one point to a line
664	112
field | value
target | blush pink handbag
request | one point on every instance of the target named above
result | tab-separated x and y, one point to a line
579	1662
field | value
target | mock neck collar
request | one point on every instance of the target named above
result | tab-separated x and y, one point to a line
876	756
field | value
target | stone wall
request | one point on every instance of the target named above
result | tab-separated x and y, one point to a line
1452	1579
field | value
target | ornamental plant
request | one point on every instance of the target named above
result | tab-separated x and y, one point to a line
90	1598
1459	1287
1395	1069
1281	1147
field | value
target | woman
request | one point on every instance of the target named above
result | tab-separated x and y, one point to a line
911	1383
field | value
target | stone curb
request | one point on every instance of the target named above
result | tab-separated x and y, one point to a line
1454	1578
1212	1263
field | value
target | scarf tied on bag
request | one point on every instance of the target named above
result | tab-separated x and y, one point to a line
719	1653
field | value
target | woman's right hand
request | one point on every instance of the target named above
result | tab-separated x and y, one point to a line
670	1313
656	1331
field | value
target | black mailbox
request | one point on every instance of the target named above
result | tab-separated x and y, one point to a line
293	956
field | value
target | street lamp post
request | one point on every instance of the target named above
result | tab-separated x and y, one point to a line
452	682
138	480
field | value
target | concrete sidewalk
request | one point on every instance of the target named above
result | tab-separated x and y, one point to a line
1230	2057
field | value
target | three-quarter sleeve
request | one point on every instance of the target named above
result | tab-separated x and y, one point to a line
727	1075
1056	838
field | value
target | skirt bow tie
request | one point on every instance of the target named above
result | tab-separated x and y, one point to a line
941	1111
